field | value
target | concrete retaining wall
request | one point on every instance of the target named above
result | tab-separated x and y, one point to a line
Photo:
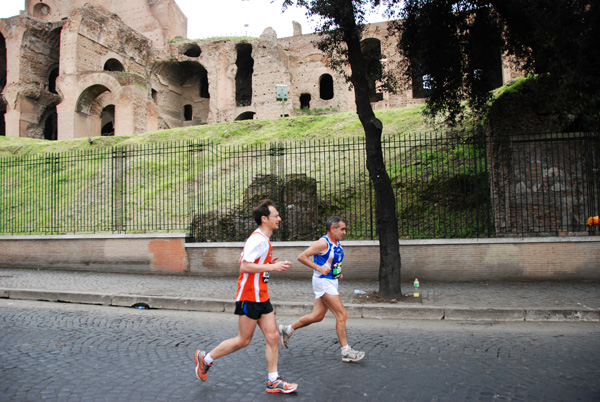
554	258
103	253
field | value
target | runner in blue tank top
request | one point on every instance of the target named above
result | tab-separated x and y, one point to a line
327	253
332	258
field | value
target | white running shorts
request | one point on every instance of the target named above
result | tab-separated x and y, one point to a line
324	285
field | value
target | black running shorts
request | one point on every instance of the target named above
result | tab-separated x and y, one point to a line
252	309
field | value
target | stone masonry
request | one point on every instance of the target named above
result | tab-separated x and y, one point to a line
85	68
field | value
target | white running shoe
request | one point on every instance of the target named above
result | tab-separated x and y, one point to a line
284	335
352	356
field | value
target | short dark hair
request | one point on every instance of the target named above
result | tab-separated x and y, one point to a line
262	209
333	221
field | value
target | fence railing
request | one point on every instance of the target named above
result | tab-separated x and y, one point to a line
546	184
444	188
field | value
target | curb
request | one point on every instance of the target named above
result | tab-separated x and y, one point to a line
371	311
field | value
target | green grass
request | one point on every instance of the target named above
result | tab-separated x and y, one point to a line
425	179
248	132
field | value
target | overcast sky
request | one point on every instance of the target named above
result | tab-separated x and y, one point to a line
207	18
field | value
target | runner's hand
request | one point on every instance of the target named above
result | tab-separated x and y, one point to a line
281	266
324	270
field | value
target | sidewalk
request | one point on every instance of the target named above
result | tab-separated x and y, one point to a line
507	301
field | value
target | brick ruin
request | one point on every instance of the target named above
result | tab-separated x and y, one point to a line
84	68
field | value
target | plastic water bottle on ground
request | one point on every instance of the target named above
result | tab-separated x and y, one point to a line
416	284
359	292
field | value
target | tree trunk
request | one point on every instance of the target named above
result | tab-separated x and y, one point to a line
387	221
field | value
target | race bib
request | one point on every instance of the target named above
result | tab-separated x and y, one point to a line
266	277
336	270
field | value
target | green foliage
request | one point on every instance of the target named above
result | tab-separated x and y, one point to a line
511	87
247	132
452	40
315	111
440	182
444	191
430	41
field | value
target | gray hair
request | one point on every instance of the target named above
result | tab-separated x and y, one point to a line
333	221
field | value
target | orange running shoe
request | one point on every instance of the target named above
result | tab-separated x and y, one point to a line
201	366
281	386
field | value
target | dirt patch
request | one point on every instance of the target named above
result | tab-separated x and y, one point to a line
375	297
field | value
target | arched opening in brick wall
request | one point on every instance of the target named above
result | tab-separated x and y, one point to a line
243	76
52	77
107	118
50	121
245	116
113	65
2	84
188	112
371	49
42	11
305	101
203	82
93	112
40	52
181	92
193	50
326	87
87	97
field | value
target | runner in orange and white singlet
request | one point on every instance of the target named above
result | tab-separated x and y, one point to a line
253	286
252	302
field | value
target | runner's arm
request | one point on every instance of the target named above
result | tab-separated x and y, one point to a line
318	247
253	268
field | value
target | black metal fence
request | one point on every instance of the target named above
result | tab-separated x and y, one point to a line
545	184
444	189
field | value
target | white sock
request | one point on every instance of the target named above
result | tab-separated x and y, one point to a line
289	329
208	359
346	349
273	376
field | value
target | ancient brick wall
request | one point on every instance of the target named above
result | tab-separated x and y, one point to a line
181	83
157	20
544	181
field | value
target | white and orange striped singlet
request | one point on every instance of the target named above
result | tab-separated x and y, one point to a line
253	286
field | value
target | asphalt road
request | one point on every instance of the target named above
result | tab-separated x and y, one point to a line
67	352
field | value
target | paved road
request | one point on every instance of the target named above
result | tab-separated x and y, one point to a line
67	352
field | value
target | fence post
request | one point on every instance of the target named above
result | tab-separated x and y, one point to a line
591	151
53	160
481	140
193	149
277	152
118	190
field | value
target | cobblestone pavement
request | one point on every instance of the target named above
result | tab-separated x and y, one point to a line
70	352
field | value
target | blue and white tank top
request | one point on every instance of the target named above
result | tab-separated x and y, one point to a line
331	258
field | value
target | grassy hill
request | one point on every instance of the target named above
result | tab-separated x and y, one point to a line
89	187
334	125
